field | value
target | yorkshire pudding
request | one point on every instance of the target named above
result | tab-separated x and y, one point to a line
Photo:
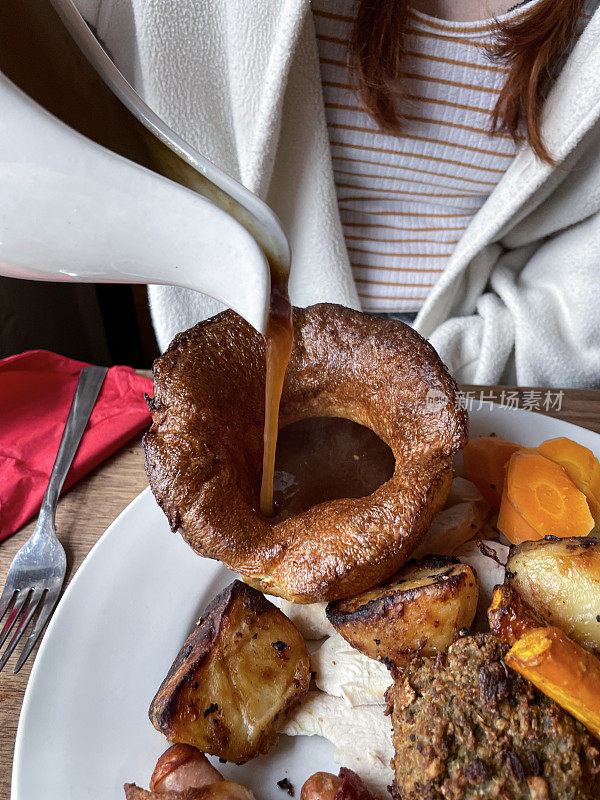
204	448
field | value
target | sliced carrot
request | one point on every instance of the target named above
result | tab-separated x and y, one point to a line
580	464
513	525
484	461
545	496
562	670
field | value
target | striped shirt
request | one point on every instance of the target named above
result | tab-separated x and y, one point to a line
406	200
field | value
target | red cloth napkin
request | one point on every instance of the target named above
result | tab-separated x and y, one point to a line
36	389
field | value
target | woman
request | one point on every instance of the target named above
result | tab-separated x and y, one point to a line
401	201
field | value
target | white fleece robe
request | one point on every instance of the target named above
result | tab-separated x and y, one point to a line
519	301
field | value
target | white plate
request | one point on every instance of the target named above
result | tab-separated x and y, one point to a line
84	729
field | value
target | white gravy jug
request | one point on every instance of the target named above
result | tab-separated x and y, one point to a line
72	209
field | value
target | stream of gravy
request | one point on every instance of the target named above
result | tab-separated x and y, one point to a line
279	338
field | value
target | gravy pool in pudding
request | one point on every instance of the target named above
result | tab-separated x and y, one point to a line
317	459
326	458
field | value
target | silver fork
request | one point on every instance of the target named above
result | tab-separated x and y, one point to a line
38	570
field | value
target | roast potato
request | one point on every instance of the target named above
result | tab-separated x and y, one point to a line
419	611
243	666
560	580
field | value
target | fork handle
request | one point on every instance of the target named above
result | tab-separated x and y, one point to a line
88	386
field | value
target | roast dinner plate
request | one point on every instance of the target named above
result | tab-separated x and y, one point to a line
84	728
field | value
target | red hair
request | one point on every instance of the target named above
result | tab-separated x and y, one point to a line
531	45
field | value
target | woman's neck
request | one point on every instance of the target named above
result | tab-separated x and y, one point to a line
464	10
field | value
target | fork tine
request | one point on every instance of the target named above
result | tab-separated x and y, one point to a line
23	623
45	613
7	596
14	613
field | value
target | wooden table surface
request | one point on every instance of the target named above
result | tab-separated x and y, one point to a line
90	506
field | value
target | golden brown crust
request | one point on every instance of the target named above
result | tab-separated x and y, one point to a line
243	666
418	611
204	449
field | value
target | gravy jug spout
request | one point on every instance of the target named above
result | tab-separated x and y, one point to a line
71	210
